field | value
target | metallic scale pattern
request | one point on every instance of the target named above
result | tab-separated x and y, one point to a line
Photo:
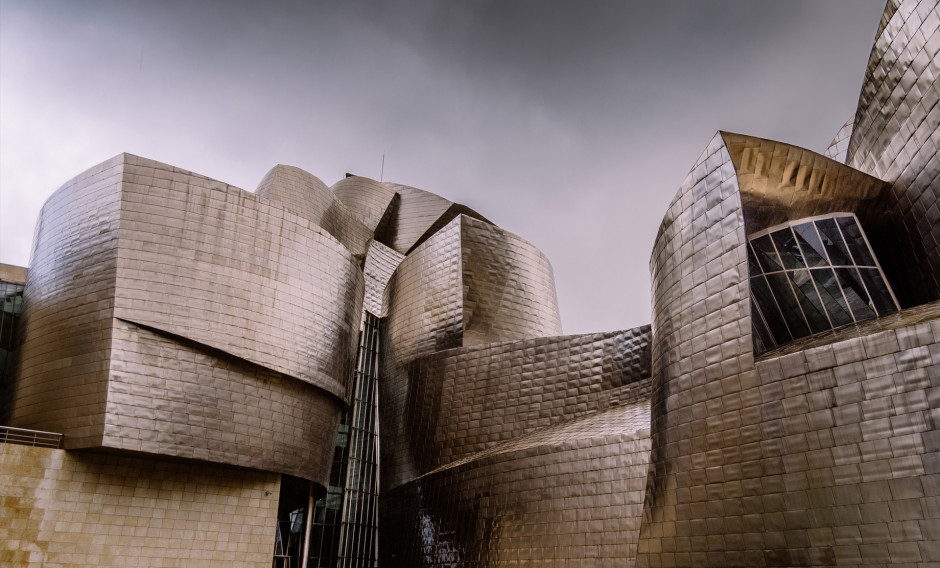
839	147
782	409
461	401
304	194
202	280
367	199
897	138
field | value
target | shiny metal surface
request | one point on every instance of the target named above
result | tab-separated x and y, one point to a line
304	194
365	198
417	215
457	402
781	182
202	332
897	137
569	495
839	147
470	283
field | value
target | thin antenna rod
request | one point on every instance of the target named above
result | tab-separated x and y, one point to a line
382	176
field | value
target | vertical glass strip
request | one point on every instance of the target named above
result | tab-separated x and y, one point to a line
855	293
766	254
771	312
787	248
878	291
833	243
780	285
855	241
809	300
813	251
831	295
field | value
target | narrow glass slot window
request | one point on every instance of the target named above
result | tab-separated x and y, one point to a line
856	242
766	254
813	252
855	293
763	339
878	290
768	307
831	295
780	285
790	253
833	243
809	300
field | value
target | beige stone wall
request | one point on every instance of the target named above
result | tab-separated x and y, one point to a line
61	508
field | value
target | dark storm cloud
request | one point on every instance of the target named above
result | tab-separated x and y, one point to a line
571	124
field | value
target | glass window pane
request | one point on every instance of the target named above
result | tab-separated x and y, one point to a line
855	293
780	286
768	307
763	340
857	245
764	249
833	243
813	252
809	300
752	266
880	296
787	248
831	295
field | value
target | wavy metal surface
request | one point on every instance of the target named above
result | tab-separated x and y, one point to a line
416	216
819	457
454	403
571	495
365	198
307	196
470	283
702	426
897	137
839	147
381	263
780	182
168	313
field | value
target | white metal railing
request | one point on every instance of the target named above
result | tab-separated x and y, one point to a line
11	435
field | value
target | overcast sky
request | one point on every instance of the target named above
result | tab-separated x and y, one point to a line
570	124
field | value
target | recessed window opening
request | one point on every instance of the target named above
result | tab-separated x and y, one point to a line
813	275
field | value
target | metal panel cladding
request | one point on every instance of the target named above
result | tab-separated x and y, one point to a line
365	198
188	318
897	137
470	283
307	196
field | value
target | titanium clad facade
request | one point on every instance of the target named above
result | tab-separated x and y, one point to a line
304	194
458	402
782	409
897	138
209	335
366	199
567	495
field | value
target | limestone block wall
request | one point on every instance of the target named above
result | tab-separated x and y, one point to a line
79	509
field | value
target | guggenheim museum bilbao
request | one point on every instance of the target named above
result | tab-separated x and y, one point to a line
371	375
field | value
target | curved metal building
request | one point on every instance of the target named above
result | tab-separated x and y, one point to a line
372	375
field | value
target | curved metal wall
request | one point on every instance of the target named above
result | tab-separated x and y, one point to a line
451	404
571	495
365	198
64	360
307	196
896	137
200	277
703	425
470	283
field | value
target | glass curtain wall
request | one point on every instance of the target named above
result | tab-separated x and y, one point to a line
345	522
11	294
811	276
